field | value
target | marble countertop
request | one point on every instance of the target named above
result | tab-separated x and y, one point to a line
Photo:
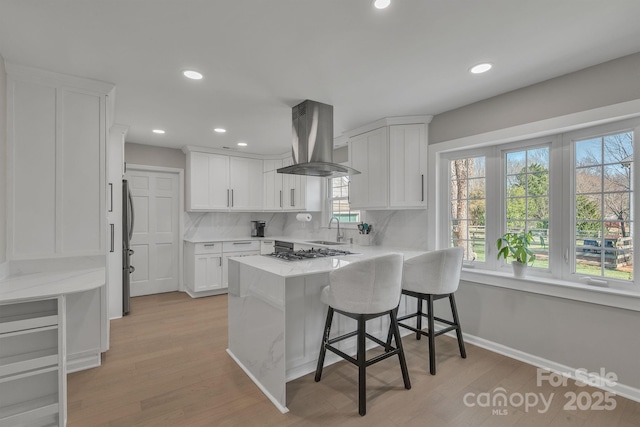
52	284
225	239
288	269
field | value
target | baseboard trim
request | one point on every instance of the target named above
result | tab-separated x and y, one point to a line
84	360
273	400
206	293
619	389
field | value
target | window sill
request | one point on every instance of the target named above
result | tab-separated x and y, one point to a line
628	300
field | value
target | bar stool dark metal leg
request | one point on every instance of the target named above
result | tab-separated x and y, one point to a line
454	312
362	366
431	336
323	348
419	319
403	363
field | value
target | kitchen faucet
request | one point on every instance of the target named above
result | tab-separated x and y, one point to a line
339	236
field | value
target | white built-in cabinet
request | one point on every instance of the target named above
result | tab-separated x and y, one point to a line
368	153
203	267
407	165
391	156
207	264
217	182
56	164
32	370
273	193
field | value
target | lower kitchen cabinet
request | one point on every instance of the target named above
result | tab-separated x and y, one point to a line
207	264
203	268
32	371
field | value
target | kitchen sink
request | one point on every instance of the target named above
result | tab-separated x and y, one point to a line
326	243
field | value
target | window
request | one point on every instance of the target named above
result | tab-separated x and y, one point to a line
602	206
527	198
467	201
339	201
573	192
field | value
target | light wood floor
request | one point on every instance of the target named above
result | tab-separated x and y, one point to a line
167	366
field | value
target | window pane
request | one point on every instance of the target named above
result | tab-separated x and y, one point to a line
339	200
604	244
589	180
467	206
527	203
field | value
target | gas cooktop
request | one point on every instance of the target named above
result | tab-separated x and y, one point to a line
308	254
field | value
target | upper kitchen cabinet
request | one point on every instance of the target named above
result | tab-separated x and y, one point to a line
391	155
407	165
299	192
207	182
272	192
57	160
368	154
217	182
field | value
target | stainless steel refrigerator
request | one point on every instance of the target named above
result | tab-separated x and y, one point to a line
127	233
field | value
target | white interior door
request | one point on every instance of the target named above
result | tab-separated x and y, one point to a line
155	241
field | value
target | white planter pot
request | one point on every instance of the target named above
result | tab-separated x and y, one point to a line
519	269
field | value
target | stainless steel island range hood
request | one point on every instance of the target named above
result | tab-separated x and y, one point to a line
313	142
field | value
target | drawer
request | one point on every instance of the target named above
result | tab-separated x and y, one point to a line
241	246
208	248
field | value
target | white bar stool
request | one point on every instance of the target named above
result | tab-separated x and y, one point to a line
362	291
433	276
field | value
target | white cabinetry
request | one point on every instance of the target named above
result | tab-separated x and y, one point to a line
299	192
203	267
56	164
245	184
368	154
207	264
272	185
207	181
391	155
407	165
234	250
217	182
32	371
267	247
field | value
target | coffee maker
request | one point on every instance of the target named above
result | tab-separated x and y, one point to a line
257	228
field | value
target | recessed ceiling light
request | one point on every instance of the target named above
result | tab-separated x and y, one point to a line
220	130
242	144
193	75
159	131
481	68
381	4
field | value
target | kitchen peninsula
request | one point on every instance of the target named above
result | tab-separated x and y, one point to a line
276	316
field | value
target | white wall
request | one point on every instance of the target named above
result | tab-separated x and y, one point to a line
140	154
601	85
571	333
3	162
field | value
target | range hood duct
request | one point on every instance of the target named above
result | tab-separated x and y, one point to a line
313	142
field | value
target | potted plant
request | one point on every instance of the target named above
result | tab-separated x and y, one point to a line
516	246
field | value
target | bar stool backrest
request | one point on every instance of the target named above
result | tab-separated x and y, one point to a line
436	272
369	286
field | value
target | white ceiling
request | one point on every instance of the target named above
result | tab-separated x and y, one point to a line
261	57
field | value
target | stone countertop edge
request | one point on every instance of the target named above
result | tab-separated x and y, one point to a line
288	269
51	284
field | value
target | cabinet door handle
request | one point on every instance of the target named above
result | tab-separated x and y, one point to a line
242	243
349	191
209	244
111	197
220	262
231	198
280	198
293	203
228	197
113	234
422	178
